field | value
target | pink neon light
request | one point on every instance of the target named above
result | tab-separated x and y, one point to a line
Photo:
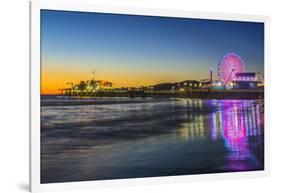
229	65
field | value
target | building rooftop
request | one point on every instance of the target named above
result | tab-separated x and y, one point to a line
245	74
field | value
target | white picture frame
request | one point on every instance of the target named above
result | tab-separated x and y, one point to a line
36	6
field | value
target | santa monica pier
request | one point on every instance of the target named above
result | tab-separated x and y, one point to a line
233	82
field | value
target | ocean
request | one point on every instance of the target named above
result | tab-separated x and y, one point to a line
116	138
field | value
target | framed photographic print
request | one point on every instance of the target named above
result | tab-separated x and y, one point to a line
124	96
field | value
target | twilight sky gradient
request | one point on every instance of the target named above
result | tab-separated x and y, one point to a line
140	50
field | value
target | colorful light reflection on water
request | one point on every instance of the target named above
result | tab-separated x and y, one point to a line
236	122
236	125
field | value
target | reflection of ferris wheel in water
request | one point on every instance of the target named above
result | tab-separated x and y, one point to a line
229	65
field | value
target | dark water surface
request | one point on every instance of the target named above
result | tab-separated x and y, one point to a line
113	138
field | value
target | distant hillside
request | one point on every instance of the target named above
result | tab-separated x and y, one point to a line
176	85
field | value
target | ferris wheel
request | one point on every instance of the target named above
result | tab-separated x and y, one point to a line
228	66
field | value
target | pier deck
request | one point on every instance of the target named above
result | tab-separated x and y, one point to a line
196	93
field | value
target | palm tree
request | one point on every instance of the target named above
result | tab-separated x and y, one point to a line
82	85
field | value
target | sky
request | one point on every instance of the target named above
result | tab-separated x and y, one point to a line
131	50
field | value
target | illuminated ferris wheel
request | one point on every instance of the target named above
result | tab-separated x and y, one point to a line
229	65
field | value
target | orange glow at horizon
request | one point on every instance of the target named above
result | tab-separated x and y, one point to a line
54	77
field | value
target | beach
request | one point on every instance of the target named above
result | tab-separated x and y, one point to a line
116	138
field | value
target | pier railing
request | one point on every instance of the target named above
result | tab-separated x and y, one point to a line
190	93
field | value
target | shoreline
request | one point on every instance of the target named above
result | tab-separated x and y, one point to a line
59	100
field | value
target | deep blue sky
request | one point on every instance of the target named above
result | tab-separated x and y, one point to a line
168	49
